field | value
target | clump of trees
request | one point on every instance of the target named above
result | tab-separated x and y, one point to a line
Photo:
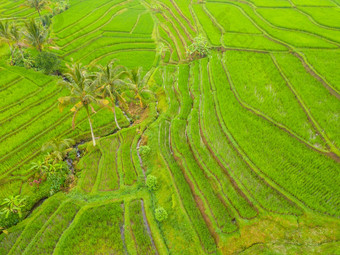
52	169
108	86
199	48
27	42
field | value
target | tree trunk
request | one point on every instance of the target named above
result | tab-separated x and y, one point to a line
114	113
22	54
10	49
88	116
39	15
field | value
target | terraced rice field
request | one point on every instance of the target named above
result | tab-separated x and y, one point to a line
245	143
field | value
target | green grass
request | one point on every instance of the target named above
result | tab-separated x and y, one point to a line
251	41
139	231
36	222
325	16
224	147
92	230
130	173
314	3
325	63
89	166
231	18
259	85
209	27
244	143
47	238
108	178
323	106
292	19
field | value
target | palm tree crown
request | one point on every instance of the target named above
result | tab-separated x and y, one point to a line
83	92
38	5
139	83
57	148
36	35
110	83
5	36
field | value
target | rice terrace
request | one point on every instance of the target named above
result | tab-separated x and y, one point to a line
169	127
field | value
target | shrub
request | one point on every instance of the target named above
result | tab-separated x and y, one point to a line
151	182
199	48
161	214
57	174
47	62
144	151
10	221
22	58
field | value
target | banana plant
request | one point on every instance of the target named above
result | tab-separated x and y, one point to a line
13	204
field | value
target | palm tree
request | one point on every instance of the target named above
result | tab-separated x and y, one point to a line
16	37
36	35
57	148
139	83
82	93
13	204
110	83
5	36
38	5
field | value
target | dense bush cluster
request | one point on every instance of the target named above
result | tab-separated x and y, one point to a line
152	182
161	214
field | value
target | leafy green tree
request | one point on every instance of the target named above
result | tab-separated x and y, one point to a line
13	204
83	93
161	214
139	84
152	182
47	62
57	149
5	36
36	35
110	83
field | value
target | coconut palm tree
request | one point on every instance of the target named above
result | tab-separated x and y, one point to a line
17	38
57	148
110	83
38	5
83	92
139	84
36	35
5	36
